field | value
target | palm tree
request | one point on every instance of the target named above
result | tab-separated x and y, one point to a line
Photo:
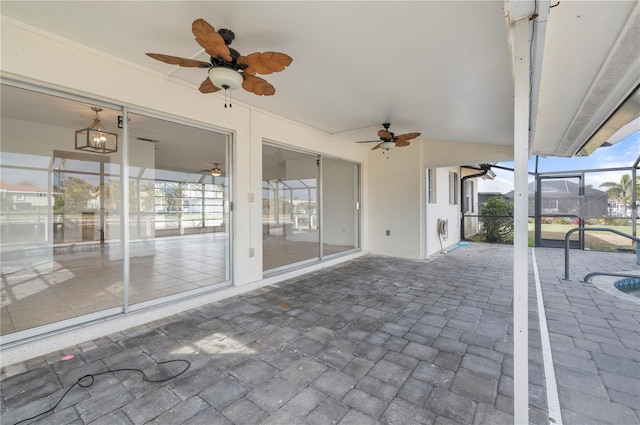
620	191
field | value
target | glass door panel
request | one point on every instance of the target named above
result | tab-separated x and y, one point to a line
340	214
289	212
53	214
179	218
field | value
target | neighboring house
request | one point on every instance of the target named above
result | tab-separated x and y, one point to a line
23	196
562	197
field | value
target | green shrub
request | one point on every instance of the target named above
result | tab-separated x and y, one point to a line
497	219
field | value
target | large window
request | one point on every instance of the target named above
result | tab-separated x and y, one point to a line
292	211
453	188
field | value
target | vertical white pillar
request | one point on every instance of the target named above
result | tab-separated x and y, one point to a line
520	241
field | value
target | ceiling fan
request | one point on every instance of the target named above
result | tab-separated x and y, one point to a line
389	140
228	69
215	171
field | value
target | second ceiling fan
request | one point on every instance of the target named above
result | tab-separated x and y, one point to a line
389	140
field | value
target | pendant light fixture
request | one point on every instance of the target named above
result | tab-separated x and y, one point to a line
95	138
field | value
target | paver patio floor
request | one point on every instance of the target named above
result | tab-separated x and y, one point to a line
374	340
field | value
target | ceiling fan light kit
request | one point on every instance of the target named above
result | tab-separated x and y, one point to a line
225	78
215	171
387	145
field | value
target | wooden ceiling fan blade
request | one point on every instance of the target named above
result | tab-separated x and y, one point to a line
407	136
377	146
265	63
208	87
210	40
175	60
370	141
402	143
384	134
257	85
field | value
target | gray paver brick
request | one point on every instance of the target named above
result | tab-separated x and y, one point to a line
150	406
334	383
300	373
595	409
420	352
96	407
476	386
245	412
580	380
399	412
181	412
354	417
329	411
488	415
272	394
481	365
224	392
304	402
415	391
357	368
254	371
208	416
451	406
365	403
377	388
389	372
617	365
117	417
433	374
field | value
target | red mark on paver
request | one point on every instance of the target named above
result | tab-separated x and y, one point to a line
67	357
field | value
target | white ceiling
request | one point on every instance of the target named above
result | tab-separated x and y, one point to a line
441	68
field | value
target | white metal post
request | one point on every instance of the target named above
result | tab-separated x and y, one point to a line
520	210
124	209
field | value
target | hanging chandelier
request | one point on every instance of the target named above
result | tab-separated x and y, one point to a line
95	138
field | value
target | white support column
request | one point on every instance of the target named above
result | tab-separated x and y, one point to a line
521	51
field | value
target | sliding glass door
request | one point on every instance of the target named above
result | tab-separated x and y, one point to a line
62	212
298	225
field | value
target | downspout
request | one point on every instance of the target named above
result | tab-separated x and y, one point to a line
485	169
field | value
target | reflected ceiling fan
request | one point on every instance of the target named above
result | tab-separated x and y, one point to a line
389	140
228	69
215	171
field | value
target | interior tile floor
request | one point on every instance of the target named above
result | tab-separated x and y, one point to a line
374	340
82	279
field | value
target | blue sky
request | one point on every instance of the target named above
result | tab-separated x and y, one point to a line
622	154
